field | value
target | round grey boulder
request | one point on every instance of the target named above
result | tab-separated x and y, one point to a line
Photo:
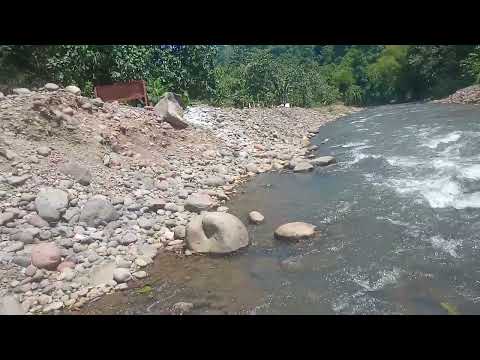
51	203
216	232
121	275
98	210
294	231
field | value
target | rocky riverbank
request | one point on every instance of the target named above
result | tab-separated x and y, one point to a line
91	192
468	95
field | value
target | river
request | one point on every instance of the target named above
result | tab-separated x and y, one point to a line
398	219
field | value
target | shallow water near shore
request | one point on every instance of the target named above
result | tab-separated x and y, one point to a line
398	219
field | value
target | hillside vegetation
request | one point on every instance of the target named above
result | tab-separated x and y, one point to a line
242	75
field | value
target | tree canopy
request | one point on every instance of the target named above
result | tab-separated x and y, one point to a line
238	75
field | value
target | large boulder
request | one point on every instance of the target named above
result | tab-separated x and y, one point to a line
199	202
51	203
294	231
73	90
78	172
46	256
170	110
98	210
216	232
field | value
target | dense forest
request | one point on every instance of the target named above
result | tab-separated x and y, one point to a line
241	75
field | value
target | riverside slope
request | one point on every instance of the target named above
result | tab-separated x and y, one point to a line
126	163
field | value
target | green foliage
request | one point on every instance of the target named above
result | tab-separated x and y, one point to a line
243	75
471	65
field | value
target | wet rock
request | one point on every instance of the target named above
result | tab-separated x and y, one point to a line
121	275
50	203
293	264
216	232
140	274
294	231
46	256
303	166
255	217
323	161
253	168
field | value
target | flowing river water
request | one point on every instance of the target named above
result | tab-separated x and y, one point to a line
398	219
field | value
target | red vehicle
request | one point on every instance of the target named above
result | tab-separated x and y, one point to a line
123	92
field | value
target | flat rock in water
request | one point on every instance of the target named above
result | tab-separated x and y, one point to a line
216	232
294	231
255	217
323	161
303	167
